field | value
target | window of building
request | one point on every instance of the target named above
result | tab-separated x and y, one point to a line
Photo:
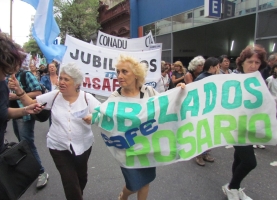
189	15
201	12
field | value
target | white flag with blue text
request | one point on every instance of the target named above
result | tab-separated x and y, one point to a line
46	30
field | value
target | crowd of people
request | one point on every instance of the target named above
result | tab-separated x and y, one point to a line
71	149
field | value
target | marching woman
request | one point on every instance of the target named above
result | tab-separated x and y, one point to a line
251	59
69	138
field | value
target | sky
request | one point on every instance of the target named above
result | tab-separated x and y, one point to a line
21	19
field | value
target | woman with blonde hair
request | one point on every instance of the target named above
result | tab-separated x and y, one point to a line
131	77
179	73
194	69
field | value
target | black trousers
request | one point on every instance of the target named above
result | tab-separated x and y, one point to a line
73	170
244	162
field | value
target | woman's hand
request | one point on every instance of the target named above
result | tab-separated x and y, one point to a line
13	84
182	85
87	119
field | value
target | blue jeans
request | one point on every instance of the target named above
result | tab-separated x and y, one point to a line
25	131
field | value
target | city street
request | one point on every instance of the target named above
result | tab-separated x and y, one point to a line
179	181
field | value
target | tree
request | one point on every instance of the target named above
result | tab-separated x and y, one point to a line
31	46
77	18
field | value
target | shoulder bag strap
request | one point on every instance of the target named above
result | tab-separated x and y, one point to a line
54	99
86	98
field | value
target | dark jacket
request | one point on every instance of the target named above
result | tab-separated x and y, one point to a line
202	75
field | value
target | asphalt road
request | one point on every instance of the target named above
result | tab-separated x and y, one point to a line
180	181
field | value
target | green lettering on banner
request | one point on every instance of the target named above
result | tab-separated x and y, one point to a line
170	136
95	115
122	115
193	97
226	94
203	124
150	109
211	93
107	122
258	94
164	117
225	131
252	128
140	153
186	140
242	129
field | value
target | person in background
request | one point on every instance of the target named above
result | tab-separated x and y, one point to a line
236	71
34	71
25	64
272	60
224	63
194	69
162	63
33	59
24	126
10	60
271	82
163	83
50	80
42	70
211	67
69	138
178	74
169	70
251	59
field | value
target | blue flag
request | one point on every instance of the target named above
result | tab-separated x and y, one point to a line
46	30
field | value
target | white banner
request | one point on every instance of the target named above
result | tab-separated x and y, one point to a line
98	65
177	125
123	44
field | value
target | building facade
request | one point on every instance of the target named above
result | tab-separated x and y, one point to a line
114	17
185	30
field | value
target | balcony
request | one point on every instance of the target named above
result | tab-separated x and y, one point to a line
106	15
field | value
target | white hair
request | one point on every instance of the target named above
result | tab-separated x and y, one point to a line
198	60
72	70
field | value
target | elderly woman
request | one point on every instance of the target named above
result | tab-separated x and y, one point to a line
131	77
251	59
10	60
69	138
179	73
194	69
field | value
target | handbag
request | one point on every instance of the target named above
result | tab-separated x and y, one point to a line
18	170
42	116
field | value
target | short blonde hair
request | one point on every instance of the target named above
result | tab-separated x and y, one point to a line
138	68
198	60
